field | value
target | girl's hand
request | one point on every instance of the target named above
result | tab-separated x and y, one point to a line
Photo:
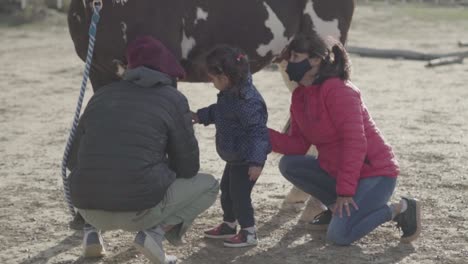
254	172
195	118
344	202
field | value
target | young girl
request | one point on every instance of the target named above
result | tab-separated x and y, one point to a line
240	117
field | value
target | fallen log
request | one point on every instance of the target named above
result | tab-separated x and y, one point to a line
444	61
401	54
462	44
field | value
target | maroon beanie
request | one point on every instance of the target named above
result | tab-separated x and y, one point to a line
149	52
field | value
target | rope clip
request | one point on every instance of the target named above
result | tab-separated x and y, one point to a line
97	4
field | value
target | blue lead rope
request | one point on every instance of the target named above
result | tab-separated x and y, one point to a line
97	6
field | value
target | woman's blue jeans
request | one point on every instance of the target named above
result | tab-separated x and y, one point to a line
372	196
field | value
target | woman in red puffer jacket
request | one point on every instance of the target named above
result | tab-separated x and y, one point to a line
355	172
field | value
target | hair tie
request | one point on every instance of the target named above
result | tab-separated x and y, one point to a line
240	56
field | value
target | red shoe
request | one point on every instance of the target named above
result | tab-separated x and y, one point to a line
222	231
243	239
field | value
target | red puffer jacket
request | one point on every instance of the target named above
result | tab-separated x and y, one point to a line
333	117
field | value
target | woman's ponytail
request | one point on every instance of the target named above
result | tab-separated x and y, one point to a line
341	62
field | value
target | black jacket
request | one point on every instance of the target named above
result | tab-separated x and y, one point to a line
241	125
134	139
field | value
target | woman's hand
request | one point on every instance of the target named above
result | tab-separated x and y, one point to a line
255	172
344	202
195	118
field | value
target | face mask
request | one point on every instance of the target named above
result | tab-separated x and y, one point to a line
297	70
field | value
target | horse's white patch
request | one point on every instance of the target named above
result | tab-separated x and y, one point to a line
123	25
201	15
187	42
122	2
279	40
323	28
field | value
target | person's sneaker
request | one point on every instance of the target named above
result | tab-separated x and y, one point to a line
151	247
320	221
93	245
222	231
410	221
243	239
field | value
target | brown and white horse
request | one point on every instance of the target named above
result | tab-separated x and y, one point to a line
191	27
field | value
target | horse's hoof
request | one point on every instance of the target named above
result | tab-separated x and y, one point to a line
312	208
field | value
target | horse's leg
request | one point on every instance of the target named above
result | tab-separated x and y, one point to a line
100	77
295	195
313	207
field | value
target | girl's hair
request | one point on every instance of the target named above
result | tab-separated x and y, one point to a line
335	59
230	61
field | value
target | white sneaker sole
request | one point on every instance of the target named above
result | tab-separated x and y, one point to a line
93	251
219	237
241	245
157	257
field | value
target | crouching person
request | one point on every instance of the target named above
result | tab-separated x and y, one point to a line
135	159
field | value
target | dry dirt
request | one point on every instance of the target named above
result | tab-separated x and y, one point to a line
422	112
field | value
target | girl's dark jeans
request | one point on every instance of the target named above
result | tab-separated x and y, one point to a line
236	188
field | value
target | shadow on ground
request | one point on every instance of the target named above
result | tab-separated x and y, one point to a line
66	244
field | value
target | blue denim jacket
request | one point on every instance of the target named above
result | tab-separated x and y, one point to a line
240	120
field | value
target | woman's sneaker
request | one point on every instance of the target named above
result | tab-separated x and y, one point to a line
410	221
222	231
243	239
321	221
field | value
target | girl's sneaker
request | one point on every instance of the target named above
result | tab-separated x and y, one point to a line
222	231
243	239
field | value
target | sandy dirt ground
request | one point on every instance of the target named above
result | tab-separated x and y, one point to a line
422	112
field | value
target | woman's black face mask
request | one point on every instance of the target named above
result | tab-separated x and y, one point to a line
297	70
